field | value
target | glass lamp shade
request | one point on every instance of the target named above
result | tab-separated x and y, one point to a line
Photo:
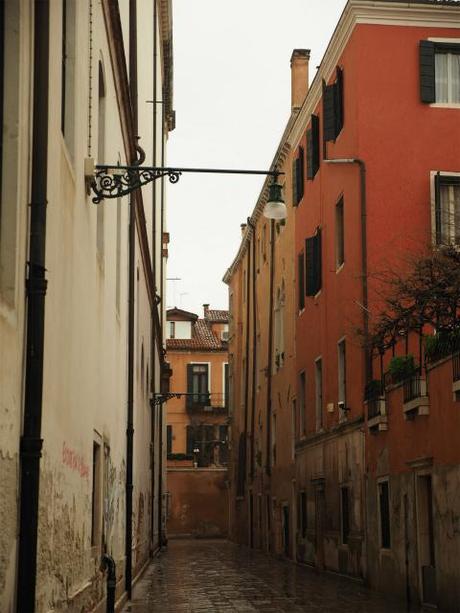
275	207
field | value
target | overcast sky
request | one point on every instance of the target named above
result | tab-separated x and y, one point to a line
232	102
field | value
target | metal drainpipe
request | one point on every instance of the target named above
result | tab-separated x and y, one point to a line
246	374
268	467
109	563
364	276
131	266
154	273
31	441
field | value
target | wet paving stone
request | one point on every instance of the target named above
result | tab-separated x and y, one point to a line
219	576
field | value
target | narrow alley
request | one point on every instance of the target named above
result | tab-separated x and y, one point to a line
216	575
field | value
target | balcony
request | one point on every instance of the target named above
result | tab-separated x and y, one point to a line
207	402
374	399
415	397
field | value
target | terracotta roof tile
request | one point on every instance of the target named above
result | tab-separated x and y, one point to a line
215	315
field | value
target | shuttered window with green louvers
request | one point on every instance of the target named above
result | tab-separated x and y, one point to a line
313	159
333	107
439	72
313	277
301	279
297	177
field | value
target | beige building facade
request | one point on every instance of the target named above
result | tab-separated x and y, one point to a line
80	364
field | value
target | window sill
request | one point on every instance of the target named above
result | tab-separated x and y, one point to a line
445	105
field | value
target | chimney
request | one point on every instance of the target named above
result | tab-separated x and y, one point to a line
205	310
243	228
299	77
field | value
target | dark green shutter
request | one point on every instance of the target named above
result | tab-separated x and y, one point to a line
299	174
190	440
315	143
169	439
329	124
318	267
437	209
427	72
310	172
189	385
301	280
338	102
295	202
310	266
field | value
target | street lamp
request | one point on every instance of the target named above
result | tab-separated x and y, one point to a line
109	181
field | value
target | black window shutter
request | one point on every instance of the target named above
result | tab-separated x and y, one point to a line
427	79
338	102
329	112
189	385
317	256
310	276
310	171
301	281
437	209
295	202
299	174
315	143
169	439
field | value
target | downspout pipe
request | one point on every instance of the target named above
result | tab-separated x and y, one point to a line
268	465
364	268
131	310
108	563
36	284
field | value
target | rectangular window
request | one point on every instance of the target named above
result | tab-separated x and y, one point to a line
342	374
302	403
313	264
384	513
172	329
447	209
301	280
190	430
68	73
313	159
169	437
339	235
440	72
297	177
197	385
319	393
345	514
333	108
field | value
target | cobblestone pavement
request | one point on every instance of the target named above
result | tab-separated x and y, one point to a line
214	576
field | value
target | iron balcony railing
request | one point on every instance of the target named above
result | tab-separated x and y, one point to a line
456	367
441	346
206	401
413	388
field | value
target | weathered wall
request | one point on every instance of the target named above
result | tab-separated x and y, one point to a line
198	502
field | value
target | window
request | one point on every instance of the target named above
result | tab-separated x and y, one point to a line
313	160
344	514
197	385
440	72
172	329
68	73
297	177
339	235
319	393
169	437
302	403
333	114
190	440
301	279
342	374
279	328
384	515
313	264
447	210
223	445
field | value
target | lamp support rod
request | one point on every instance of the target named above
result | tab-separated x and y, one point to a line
115	181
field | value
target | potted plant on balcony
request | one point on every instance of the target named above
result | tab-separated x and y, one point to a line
402	368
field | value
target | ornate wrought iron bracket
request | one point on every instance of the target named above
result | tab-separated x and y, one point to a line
161	398
117	181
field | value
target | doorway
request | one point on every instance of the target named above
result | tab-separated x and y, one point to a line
425	538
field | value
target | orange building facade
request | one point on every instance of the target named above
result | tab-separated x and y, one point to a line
197	423
326	474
